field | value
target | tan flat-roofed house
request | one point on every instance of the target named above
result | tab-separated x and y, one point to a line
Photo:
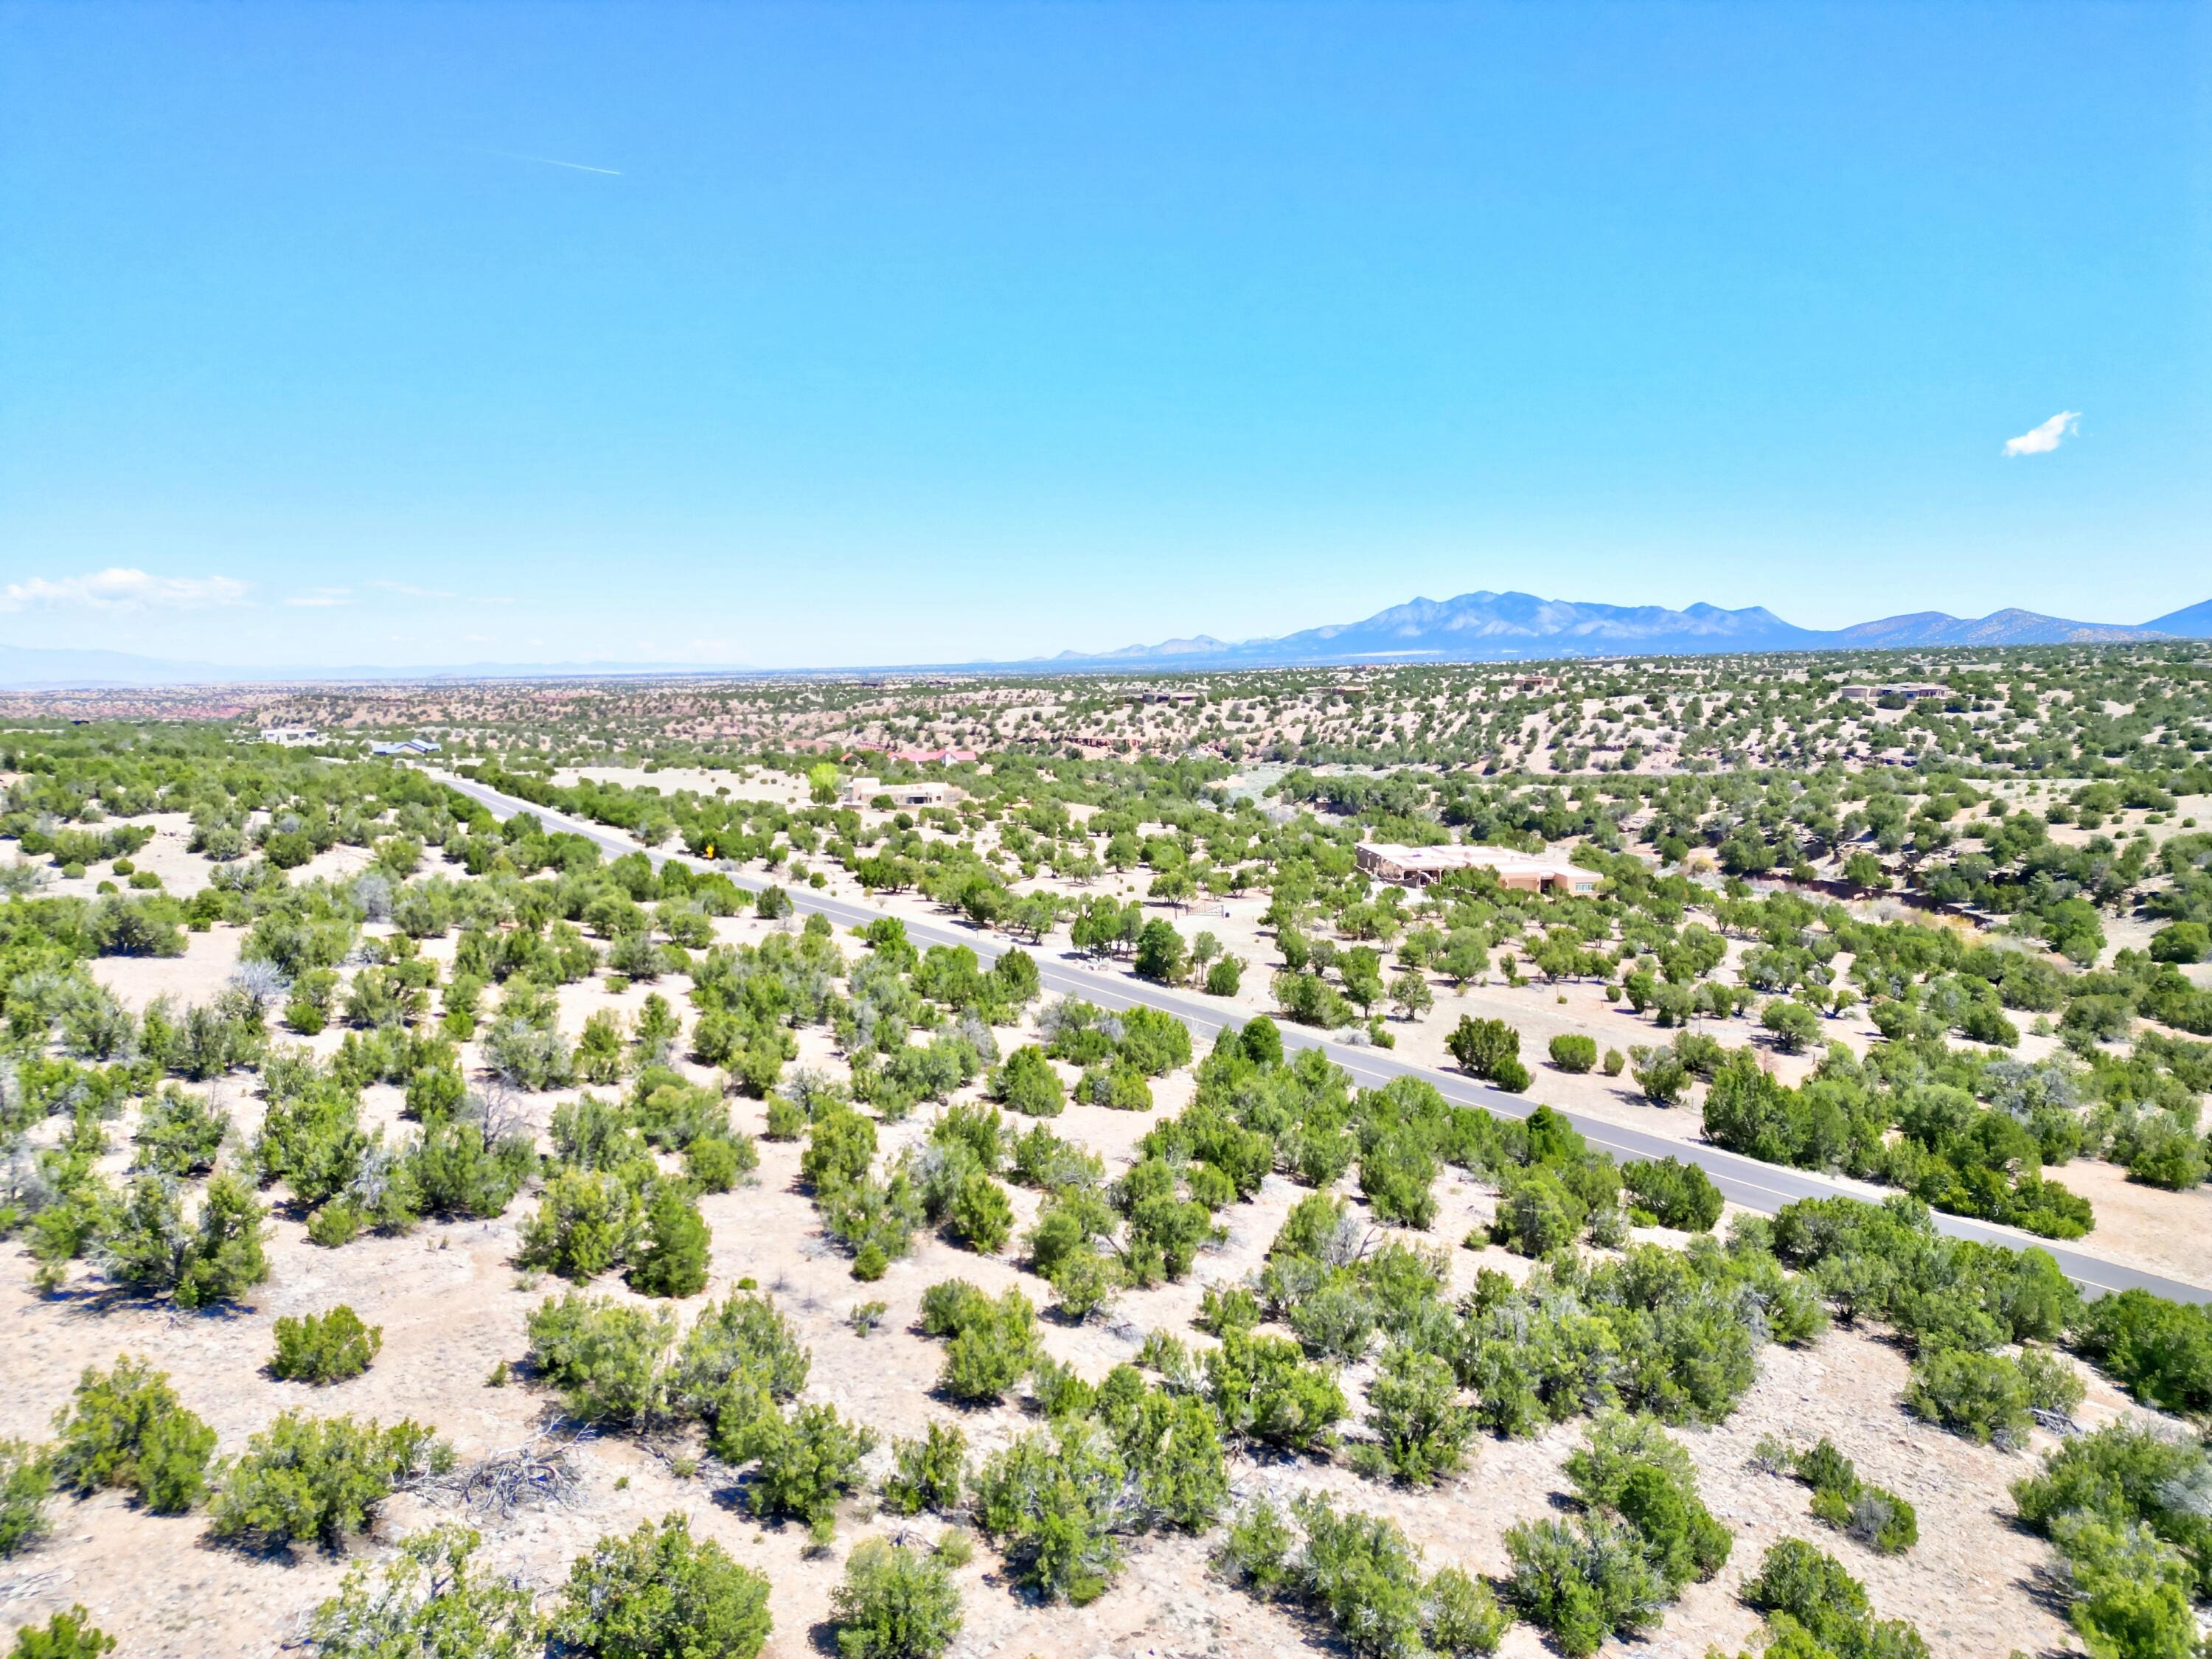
1528	872
919	791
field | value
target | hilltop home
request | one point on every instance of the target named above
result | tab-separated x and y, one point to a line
1526	872
922	791
1911	691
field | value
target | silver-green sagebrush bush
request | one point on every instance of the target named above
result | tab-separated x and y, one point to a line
427	1599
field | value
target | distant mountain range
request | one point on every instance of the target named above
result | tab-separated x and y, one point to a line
1473	628
1507	627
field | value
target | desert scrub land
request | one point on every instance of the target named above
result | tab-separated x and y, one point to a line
424	1222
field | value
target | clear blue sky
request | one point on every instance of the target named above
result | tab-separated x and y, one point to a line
937	332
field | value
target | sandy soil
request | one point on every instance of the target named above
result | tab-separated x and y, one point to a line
453	1306
182	873
193	977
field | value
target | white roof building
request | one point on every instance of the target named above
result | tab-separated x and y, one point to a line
1530	873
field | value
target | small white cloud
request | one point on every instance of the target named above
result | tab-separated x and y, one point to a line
125	590
321	599
2042	440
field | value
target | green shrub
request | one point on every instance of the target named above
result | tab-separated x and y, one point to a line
1262	1388
2181	941
1795	1027
180	1134
1874	1515
70	1635
895	1603
1663	1079
454	1171
1981	1396
714	1163
1461	1619
1258	1551
841	1144
807	1460
1026	1082
328	1348
318	1479
1084	1281
2132	1591
658	1594
1048	1501
1630	1467
1154	1042
604	1356
586	1222
27	1481
949	1304
2053	1385
1673	1193
426	1601
1483	1046
670	1259
1171	1444
1797	1583
992	1343
1572	1052
1117	1085
1420	1428
1537	1214
2121	1504
336	1224
215	1259
980	1214
739	1360
1222	1310
1582	1584
126	1428
928	1474
2159	1350
1363	1575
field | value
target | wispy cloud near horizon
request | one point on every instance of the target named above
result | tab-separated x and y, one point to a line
119	588
2042	440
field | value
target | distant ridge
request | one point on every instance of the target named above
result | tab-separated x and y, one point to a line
1481	626
1488	627
2194	623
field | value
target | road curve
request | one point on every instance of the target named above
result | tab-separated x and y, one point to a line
1744	1181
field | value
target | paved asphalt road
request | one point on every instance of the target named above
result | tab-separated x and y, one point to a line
1756	1186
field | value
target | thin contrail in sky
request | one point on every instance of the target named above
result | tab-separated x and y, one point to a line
547	160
